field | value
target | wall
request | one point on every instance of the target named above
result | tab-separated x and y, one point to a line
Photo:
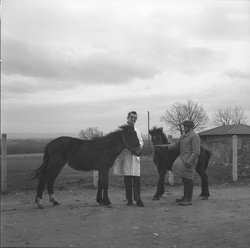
221	148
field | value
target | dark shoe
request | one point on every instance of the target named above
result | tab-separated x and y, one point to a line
180	199
140	204
130	203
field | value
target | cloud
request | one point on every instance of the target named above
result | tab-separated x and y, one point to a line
238	74
46	67
76	64
225	21
29	60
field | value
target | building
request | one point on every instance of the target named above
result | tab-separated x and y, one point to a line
219	141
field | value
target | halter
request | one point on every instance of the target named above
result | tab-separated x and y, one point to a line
128	146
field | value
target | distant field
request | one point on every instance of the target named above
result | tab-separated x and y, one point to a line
20	167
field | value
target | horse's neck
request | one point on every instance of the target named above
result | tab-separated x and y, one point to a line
112	142
166	142
164	139
118	145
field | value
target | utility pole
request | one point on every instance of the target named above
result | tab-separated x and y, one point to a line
148	134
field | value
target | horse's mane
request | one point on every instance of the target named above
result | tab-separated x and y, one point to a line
104	141
159	131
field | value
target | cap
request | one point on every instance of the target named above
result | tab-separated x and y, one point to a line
188	123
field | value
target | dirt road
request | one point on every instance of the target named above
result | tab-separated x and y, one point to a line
222	221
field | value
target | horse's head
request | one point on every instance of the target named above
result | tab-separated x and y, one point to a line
158	137
131	140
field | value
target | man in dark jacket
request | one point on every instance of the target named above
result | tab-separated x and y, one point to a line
184	165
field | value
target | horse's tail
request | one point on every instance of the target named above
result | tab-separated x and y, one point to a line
41	170
208	156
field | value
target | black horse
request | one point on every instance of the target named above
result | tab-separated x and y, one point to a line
84	155
164	160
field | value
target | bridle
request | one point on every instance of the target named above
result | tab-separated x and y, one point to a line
128	146
156	145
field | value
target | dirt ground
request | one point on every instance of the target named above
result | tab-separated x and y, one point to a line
222	221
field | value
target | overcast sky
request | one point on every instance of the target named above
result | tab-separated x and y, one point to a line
70	65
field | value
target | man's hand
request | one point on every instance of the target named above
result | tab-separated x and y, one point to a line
188	166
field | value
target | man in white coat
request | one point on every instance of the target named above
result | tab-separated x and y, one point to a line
129	166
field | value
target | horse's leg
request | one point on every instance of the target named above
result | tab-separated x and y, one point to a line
204	183
157	193
160	184
162	181
41	184
52	197
205	190
51	183
105	185
99	191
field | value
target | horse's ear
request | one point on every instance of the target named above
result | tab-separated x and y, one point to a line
123	126
161	128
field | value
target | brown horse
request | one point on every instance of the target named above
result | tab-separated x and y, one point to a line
84	155
164	160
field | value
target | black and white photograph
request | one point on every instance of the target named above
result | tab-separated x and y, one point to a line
125	123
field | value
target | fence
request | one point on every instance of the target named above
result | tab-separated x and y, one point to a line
24	152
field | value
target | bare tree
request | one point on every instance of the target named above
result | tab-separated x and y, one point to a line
180	112
229	116
90	133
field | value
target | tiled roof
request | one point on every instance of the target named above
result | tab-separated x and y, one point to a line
235	129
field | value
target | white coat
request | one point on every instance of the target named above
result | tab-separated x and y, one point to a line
126	164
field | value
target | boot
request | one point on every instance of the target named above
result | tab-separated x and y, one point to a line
184	196
189	186
185	192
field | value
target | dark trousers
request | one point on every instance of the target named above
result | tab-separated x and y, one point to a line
133	184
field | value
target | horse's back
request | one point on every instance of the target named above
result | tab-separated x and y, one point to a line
203	159
79	154
63	144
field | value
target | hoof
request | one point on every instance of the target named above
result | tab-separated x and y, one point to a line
205	198
99	201
55	202
52	199
140	204
185	203
108	203
155	198
204	195
179	199
39	203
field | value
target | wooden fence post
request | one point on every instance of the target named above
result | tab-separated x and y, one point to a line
170	173
235	158
95	178
4	164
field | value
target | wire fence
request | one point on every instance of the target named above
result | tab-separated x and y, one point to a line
25	153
